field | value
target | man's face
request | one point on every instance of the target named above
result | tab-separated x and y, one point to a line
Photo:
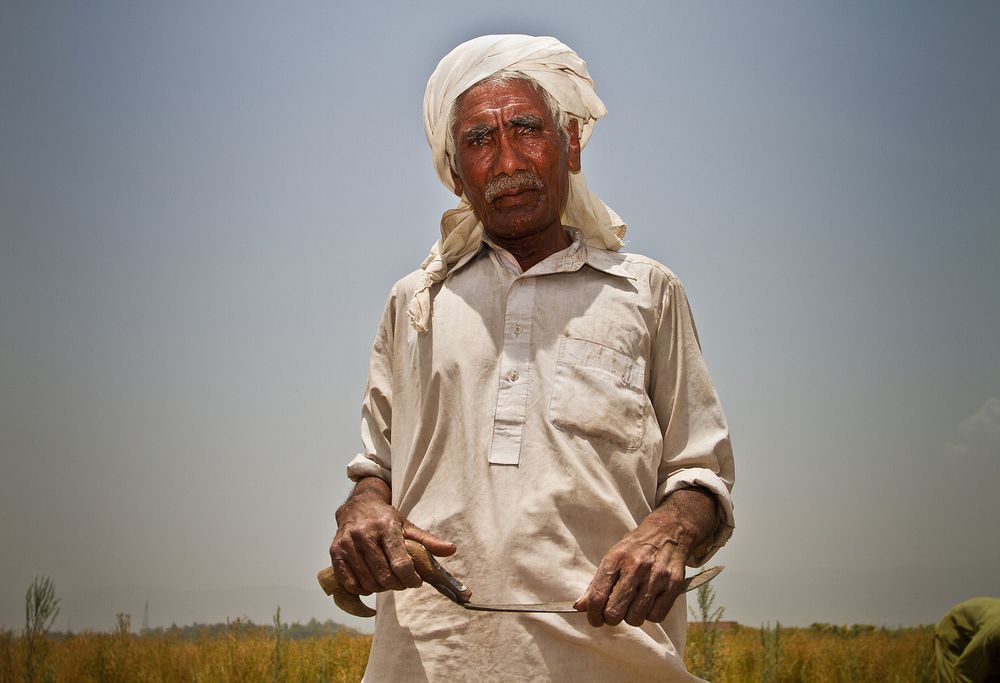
511	163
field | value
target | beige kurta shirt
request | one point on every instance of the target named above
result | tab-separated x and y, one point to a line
542	417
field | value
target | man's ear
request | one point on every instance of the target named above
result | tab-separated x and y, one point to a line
573	147
459	187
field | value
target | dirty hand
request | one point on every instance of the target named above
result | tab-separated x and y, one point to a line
368	554
641	576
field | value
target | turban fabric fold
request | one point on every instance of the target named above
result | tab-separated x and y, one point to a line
564	76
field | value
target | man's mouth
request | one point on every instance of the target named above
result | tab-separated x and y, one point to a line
507	202
508	187
513	193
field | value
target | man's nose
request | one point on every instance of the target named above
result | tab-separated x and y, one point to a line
509	158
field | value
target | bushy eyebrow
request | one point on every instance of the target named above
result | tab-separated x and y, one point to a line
482	130
533	121
477	132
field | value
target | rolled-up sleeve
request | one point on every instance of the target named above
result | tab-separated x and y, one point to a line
375	459
696	444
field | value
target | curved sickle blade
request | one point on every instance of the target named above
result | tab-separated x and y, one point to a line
701	578
549	607
690	583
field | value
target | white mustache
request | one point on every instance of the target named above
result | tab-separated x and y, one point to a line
509	184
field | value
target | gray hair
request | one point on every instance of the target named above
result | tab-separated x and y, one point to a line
560	117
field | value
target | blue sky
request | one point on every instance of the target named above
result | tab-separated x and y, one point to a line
203	206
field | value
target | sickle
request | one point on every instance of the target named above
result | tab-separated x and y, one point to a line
431	571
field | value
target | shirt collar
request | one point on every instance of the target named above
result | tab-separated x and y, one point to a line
610	262
569	259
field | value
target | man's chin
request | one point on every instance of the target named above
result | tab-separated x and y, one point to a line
516	230
519	219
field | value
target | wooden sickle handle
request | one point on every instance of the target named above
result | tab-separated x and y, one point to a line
428	568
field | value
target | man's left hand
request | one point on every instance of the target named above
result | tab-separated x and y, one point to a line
641	576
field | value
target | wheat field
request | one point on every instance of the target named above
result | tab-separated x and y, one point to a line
240	651
820	654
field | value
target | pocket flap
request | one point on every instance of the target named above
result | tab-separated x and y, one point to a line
587	354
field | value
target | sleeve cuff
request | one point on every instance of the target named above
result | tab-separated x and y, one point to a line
362	466
714	484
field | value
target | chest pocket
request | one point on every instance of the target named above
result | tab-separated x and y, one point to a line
598	393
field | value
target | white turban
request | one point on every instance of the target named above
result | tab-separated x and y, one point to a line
564	75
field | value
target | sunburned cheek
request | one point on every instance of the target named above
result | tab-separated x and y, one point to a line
536	149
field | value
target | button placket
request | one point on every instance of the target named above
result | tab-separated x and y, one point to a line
515	374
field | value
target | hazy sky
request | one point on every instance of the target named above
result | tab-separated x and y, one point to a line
203	206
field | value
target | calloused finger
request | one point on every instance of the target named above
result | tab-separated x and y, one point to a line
436	546
343	572
656	583
400	561
599	592
378	565
355	559
621	597
661	606
674	586
377	562
639	609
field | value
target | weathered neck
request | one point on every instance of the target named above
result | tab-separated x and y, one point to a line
533	249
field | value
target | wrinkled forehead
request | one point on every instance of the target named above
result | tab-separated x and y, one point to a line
488	99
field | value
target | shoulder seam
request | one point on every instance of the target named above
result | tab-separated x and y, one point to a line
640	260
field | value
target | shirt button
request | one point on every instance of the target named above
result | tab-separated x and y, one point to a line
512	375
518	330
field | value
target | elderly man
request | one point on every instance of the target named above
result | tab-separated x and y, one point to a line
537	406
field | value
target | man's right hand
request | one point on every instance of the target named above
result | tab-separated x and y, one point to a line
368	554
